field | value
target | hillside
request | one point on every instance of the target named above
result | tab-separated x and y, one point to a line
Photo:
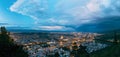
111	51
8	48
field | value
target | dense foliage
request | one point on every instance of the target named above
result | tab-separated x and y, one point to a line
8	48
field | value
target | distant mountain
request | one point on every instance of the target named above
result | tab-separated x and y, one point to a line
30	30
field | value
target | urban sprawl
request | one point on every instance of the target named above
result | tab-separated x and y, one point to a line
61	44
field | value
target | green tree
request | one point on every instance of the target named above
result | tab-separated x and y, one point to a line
8	48
3	30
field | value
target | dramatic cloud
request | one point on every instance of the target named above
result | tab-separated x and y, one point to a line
35	8
66	12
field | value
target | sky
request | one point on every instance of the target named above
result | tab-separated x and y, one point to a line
60	15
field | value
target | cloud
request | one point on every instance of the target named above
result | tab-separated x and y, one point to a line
35	8
54	28
104	24
4	24
89	9
66	12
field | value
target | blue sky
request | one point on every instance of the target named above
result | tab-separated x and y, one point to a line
60	15
13	19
